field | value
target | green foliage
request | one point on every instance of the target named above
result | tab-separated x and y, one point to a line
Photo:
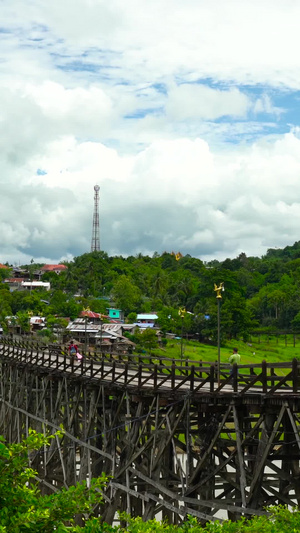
4	273
23	319
23	508
259	292
278	520
126	294
63	305
147	339
131	318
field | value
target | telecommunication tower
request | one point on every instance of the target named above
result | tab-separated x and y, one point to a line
95	247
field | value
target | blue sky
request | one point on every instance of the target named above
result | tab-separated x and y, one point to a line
186	115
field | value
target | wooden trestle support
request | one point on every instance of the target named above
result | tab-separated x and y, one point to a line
169	454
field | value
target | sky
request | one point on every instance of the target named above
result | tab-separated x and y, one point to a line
186	114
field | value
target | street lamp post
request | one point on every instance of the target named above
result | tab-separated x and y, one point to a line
219	298
85	315
101	325
181	313
85	334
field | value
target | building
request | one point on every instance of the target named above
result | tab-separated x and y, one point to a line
94	318
14	283
21	273
115	314
37	323
53	268
32	285
106	338
146	320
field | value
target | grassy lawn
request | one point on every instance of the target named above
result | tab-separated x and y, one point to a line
270	349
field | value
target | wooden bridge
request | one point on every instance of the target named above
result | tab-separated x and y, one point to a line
174	440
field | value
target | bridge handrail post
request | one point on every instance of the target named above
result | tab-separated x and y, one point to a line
295	374
173	375
192	378
264	376
140	376
113	369
155	377
25	349
200	366
186	367
212	378
92	367
235	377
252	371
126	372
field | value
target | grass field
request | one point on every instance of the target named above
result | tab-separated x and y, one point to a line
271	349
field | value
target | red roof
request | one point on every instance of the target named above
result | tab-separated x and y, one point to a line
14	280
91	314
54	267
3	266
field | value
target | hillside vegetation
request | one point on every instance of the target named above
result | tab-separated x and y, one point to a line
261	294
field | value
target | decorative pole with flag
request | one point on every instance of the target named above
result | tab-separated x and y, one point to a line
219	298
181	312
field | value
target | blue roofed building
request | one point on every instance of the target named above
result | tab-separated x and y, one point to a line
146	320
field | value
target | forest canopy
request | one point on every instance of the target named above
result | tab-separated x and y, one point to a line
259	292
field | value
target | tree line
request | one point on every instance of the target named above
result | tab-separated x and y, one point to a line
260	292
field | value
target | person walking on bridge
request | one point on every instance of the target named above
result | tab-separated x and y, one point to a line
73	349
234	358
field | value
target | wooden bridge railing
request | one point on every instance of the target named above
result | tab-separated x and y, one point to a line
265	378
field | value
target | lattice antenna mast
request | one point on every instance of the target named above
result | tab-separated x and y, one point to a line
95	246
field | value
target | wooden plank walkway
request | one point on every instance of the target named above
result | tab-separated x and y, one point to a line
134	373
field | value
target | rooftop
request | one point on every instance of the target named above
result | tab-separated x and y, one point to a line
54	267
147	316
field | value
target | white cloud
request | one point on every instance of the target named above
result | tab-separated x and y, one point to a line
199	101
172	195
245	42
146	99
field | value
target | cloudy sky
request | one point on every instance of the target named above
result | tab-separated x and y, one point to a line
185	113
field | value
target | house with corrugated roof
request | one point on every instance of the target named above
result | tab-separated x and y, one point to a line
146	320
94	318
103	337
37	323
14	283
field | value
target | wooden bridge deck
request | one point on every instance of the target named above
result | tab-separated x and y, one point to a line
163	374
174	440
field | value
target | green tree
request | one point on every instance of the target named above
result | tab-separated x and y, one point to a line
5	306
147	338
131	318
63	305
126	295
23	508
23	321
5	273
